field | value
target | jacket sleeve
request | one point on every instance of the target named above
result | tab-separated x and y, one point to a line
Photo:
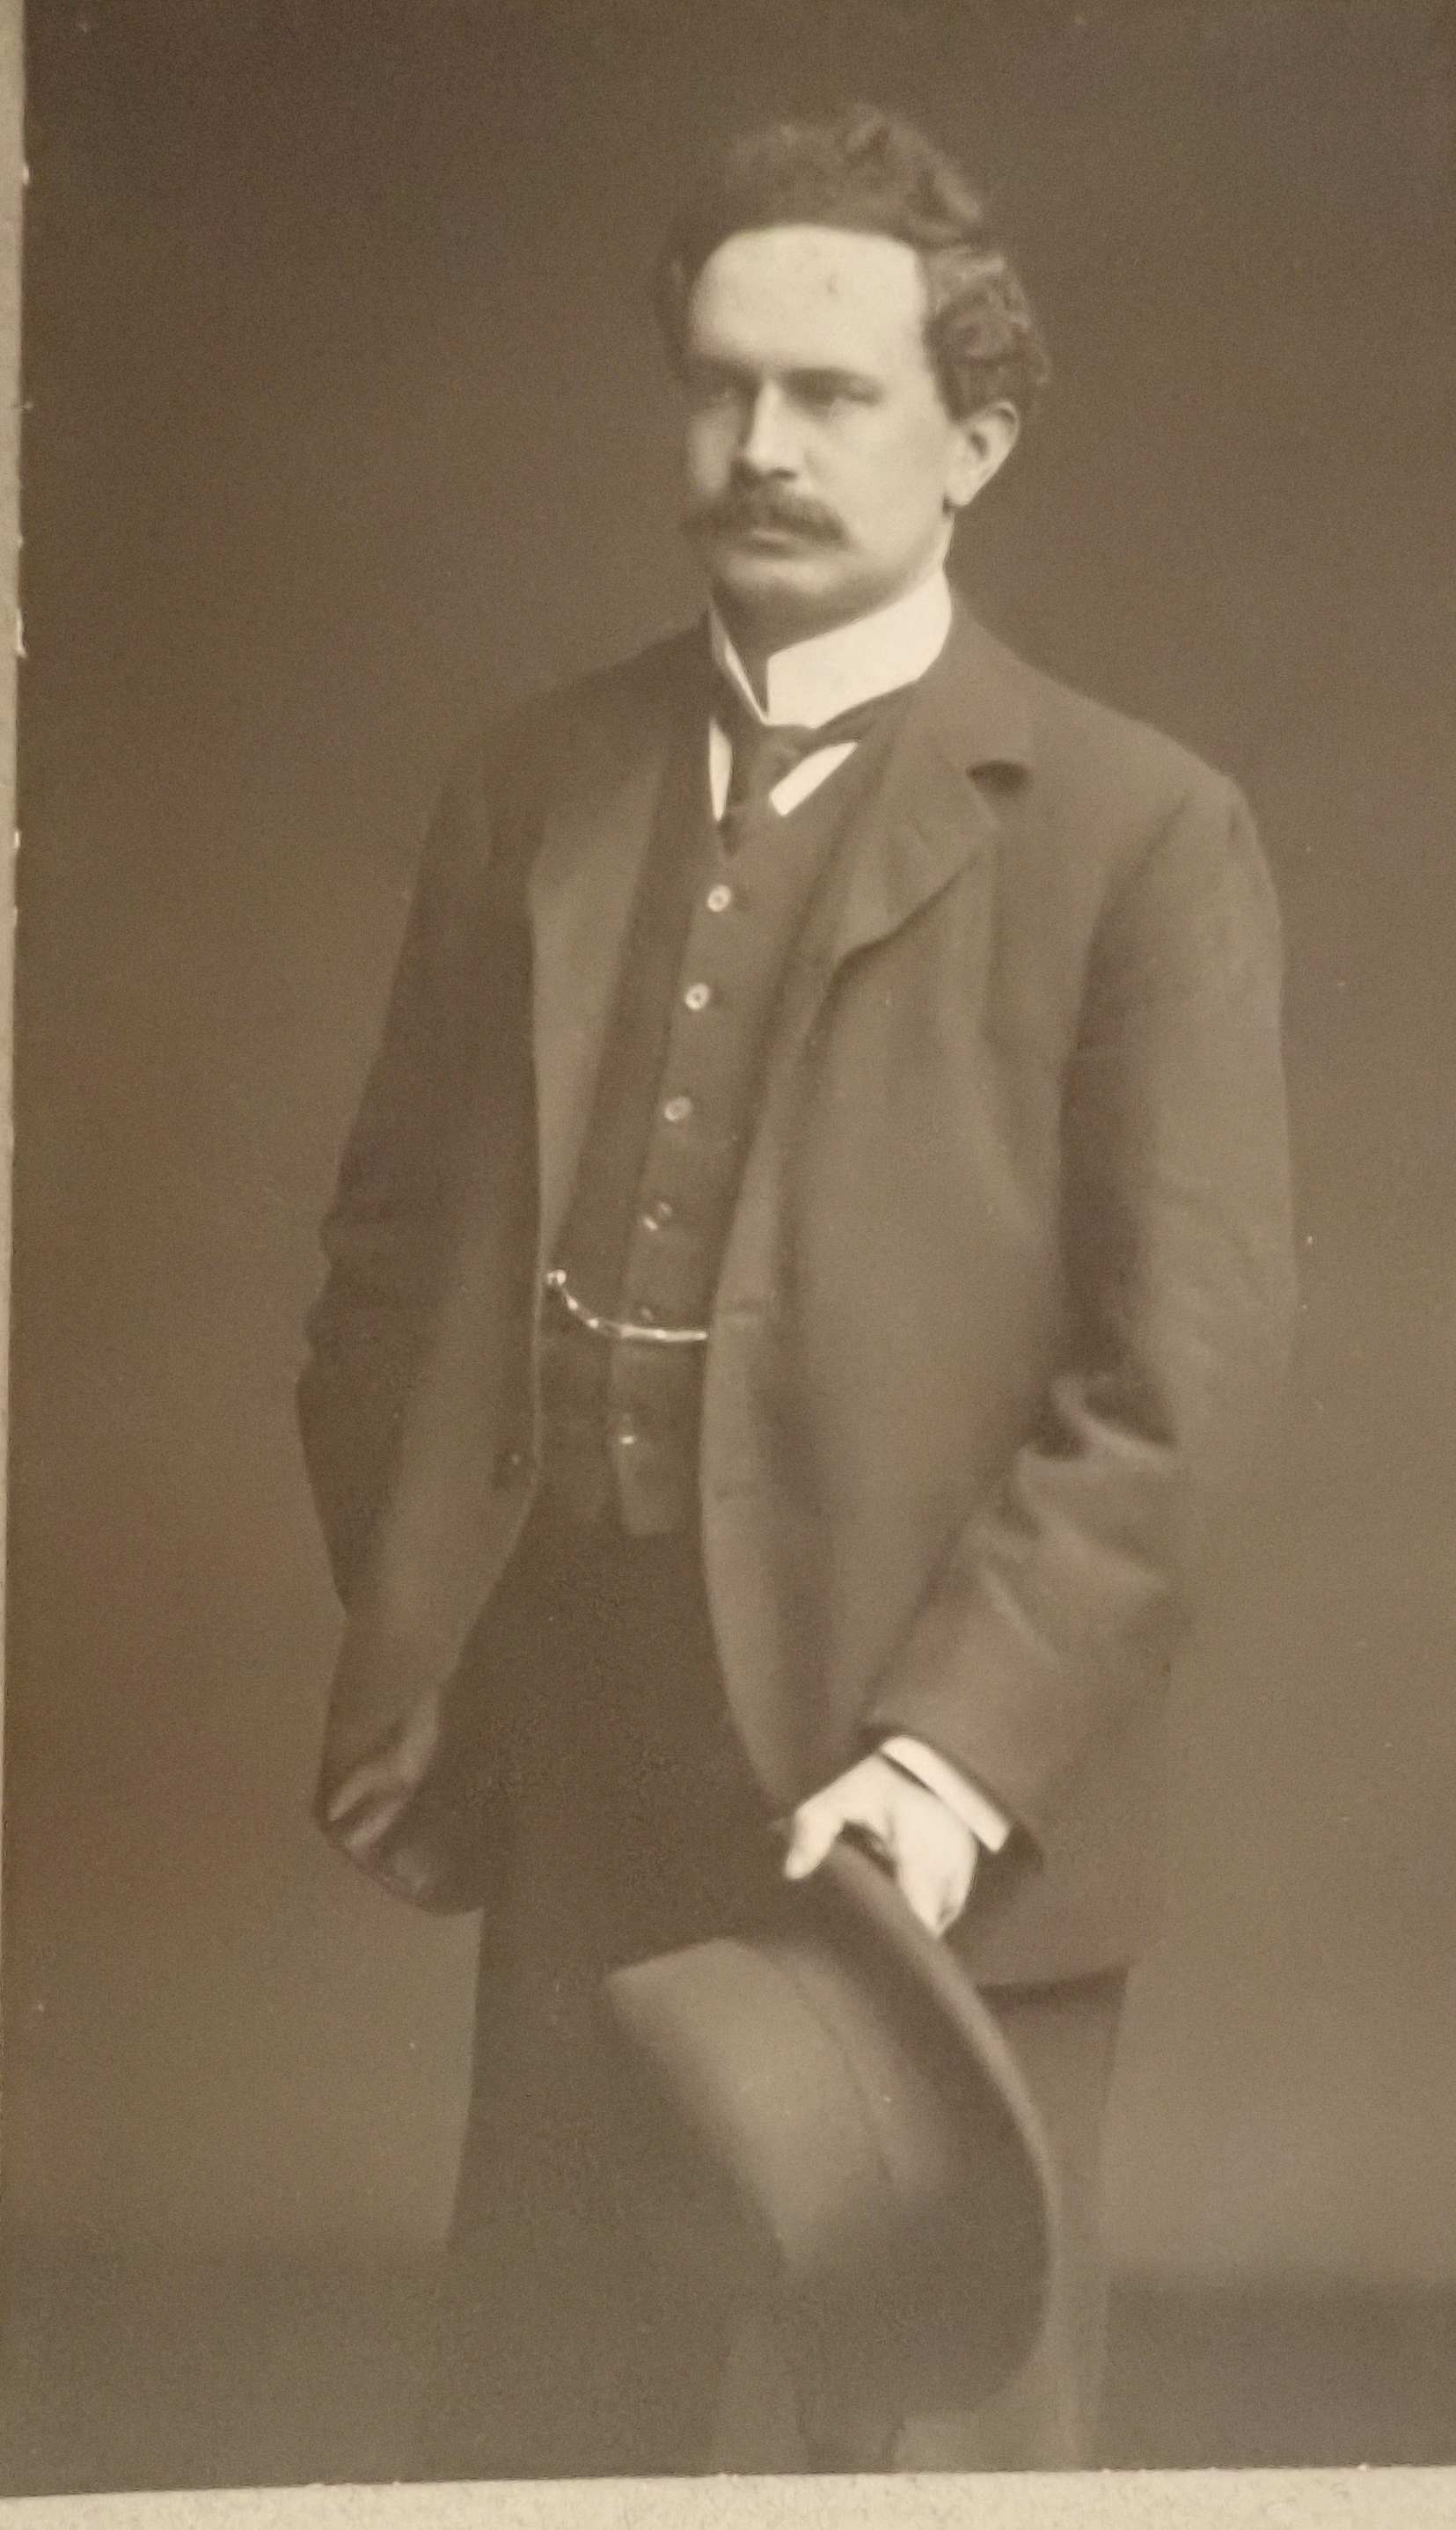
384	1233
1063	1598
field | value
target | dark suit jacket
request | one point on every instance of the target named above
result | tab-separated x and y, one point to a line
1008	1283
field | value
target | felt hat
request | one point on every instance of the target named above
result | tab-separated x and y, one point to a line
843	2073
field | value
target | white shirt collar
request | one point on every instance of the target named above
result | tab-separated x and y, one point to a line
812	680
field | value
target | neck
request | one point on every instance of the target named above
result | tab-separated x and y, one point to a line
757	637
757	642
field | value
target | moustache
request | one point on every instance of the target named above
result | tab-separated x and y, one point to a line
739	513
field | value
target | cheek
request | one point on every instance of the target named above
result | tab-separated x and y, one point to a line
892	498
895	477
924	480
706	450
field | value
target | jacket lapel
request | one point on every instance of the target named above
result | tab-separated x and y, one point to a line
595	834
924	822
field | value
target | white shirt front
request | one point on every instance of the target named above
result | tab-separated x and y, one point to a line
813	681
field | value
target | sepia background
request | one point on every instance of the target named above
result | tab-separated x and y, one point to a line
345	423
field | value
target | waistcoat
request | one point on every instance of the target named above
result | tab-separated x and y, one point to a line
675	1103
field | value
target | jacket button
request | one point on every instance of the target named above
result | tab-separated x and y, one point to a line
508	1464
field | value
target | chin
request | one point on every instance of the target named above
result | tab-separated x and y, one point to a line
776	593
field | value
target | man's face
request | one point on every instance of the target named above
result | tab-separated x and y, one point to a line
822	463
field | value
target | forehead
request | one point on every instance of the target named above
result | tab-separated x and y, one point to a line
810	298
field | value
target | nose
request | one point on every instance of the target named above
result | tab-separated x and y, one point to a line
765	443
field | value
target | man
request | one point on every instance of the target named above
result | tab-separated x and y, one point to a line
813	1244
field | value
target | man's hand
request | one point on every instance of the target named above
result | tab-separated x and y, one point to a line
930	1850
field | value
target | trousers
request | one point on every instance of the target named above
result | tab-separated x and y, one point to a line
600	2309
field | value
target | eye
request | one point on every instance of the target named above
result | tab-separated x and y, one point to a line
708	389
829	393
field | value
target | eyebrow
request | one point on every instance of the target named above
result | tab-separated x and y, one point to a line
854	380
850	381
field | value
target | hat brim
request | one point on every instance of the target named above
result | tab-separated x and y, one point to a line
840	2071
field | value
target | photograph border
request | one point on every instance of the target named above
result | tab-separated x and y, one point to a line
1413	2497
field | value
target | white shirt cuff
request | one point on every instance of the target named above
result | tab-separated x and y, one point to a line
974	1808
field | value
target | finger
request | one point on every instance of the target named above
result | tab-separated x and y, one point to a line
933	1857
857	1798
816	1824
926	1888
960	1872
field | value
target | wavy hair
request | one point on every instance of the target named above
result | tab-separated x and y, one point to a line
866	170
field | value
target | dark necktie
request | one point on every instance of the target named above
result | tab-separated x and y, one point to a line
765	751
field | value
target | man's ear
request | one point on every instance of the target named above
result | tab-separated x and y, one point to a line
984	442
